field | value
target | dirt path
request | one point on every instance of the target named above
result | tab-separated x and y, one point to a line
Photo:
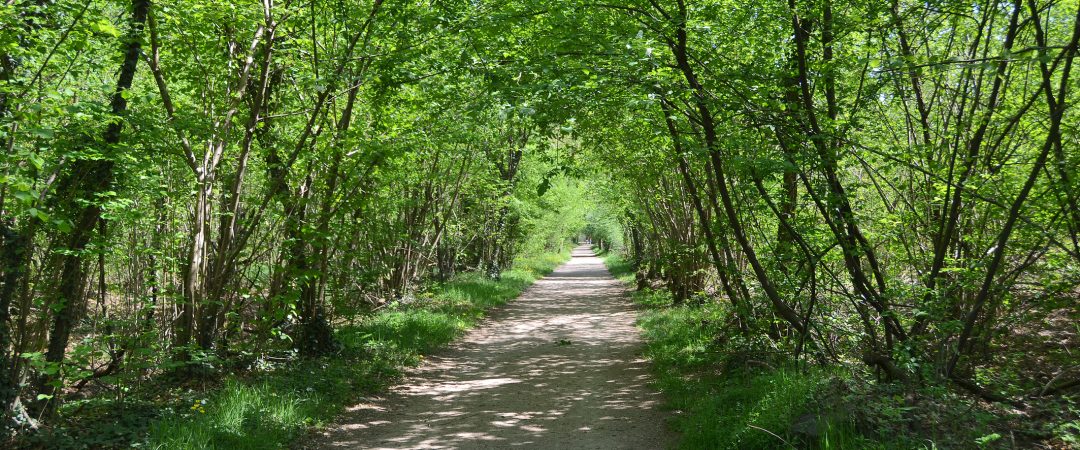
559	368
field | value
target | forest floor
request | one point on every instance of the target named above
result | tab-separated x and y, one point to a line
559	367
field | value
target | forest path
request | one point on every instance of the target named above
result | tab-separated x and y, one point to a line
559	367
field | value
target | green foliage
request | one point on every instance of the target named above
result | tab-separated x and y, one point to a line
554	215
887	187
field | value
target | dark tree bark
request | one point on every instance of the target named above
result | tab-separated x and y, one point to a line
12	259
86	179
703	217
678	47
1057	105
507	163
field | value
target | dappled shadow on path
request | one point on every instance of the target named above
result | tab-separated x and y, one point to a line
559	367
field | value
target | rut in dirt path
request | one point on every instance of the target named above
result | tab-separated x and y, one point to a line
559	367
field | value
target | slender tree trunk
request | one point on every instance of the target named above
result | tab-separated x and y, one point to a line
952	208
12	258
1057	104
711	141
87	178
315	336
703	217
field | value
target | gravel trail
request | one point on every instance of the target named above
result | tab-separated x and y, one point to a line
560	367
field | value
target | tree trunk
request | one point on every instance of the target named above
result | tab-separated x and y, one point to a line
87	178
13	258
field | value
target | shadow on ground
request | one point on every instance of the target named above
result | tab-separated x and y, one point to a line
559	367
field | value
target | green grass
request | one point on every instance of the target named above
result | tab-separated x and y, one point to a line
718	403
619	267
269	410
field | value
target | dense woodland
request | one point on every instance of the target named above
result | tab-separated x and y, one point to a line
887	187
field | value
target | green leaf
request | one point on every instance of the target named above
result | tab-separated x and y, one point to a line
24	196
43	133
982	441
544	187
64	225
105	27
41	215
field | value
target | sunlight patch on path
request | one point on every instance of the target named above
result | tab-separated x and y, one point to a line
560	367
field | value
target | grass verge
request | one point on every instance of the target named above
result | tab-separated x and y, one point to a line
271	409
724	404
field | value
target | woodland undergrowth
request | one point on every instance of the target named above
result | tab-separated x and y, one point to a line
272	403
729	392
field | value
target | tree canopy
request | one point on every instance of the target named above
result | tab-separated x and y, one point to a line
885	185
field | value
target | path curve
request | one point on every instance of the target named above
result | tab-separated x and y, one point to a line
559	367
